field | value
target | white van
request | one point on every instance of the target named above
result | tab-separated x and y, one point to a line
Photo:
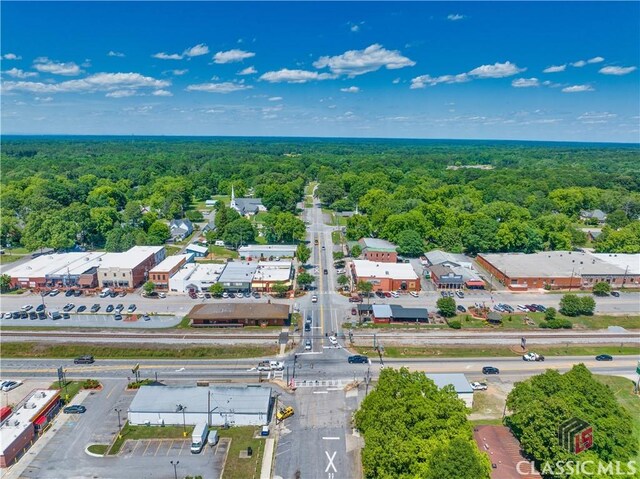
213	438
105	292
219	243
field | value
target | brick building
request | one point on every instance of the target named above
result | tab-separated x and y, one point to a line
386	276
161	273
374	249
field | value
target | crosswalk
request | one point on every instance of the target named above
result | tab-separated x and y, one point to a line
320	383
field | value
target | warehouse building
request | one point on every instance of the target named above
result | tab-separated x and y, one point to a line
375	249
161	273
26	423
459	382
267	251
439	257
248	405
386	276
239	315
237	276
554	270
129	269
629	263
271	272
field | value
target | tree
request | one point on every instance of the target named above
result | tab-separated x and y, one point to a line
601	288
194	215
329	192
239	232
158	233
148	287
550	314
410	243
446	307
305	279
358	226
280	288
284	227
216	289
364	287
573	305
356	250
303	253
5	282
343	280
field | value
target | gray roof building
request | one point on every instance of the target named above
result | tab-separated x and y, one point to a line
180	228
268	250
409	314
599	215
458	380
237	275
377	244
439	257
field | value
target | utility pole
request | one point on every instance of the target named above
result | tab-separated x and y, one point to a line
117	410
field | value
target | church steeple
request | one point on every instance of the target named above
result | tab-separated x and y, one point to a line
233	198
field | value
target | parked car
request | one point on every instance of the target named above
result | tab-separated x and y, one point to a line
459	294
358	359
113	294
201	295
75	409
225	295
387	294
68	293
109	308
77	293
123	294
413	293
604	357
24	315
394	294
523	308
450	294
146	317
81	309
10	385
443	294
44	293
42	315
490	370
117	317
95	308
15	314
508	308
39	308
461	308
476	386
7	315
284	413
54	292
379	294
162	295
354	311
207	295
66	316
615	293
119	307
87	359
231	295
131	308
27	307
33	315
68	307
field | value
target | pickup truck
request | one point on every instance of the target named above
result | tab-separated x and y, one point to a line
532	357
270	366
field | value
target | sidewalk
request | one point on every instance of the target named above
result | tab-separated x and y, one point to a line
16	470
267	458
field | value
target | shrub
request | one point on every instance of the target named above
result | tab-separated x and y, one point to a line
455	324
91	384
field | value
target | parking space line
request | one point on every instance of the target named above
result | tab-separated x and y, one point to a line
145	449
158	444
135	447
169	449
181	448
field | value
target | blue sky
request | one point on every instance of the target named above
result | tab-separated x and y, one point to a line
564	71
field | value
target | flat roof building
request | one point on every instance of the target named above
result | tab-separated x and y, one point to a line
376	249
459	382
439	257
129	269
161	273
55	270
215	405
239	314
271	272
237	276
551	269
257	251
386	276
195	277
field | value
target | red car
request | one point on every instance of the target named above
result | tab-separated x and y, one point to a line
387	294
193	295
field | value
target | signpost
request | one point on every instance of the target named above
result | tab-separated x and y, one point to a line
523	343
136	371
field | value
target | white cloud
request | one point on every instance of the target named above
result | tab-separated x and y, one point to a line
17	73
179	72
294	76
579	64
351	89
201	49
358	62
11	56
455	17
115	54
594	117
162	93
45	99
98	82
611	70
595	60
497	70
43	64
428	80
396	81
248	71
355	28
275	98
224	87
120	93
577	88
555	68
525	82
231	56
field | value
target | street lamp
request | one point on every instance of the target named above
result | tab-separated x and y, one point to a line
117	410
184	421
175	468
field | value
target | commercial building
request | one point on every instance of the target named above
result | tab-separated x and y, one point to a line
444	277
26	423
195	277
271	272
267	251
375	249
386	276
239	315
459	382
444	258
216	405
555	270
57	270
393	313
161	273
629	263
451	271
197	250
129	269
237	276
505	453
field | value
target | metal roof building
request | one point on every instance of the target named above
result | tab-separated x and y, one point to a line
237	276
268	250
459	382
217	405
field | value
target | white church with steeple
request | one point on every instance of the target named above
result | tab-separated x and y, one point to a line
246	206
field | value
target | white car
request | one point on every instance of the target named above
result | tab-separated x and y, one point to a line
413	293
314	299
225	295
7	315
200	295
476	386
333	340
27	307
523	308
532	357
9	385
307	345
162	295
394	294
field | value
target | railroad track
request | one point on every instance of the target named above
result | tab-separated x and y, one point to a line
117	335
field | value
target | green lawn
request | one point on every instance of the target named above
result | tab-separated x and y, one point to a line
99	448
493	351
241	438
222	252
623	390
10	258
336	237
171	250
69	391
260	216
148	432
133	351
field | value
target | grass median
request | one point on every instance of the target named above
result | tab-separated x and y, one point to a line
133	351
241	438
398	352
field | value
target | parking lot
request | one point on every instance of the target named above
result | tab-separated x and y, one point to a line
170	448
100	321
